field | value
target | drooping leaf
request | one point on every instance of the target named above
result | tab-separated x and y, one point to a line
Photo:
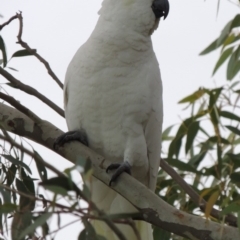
196	159
89	233
236	21
25	203
42	171
22	53
37	223
11	174
8	208
233	129
16	162
233	66
214	95
210	203
13	69
222	59
20	222
235	178
61	185
165	134
159	233
4	53
216	139
229	115
224	34
210	48
182	166
193	97
232	207
191	134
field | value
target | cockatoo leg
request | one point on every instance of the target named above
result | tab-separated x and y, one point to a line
121	167
79	135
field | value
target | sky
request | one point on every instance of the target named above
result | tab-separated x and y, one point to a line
58	28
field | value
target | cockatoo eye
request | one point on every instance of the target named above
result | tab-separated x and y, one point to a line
160	8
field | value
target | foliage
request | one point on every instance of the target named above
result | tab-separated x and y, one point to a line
204	148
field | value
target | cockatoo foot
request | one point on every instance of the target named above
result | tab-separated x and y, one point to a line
71	136
121	167
160	8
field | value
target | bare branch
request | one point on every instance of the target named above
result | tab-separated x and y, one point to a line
34	52
20	107
232	220
151	208
30	90
9	21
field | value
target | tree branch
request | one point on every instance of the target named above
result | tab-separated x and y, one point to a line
151	208
31	91
34	52
231	219
7	22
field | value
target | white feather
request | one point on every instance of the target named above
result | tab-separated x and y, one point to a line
113	91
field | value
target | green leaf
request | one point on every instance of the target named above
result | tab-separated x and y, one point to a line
210	48
196	159
159	233
193	97
229	115
39	222
61	185
233	207
89	233
22	53
233	129
191	134
11	174
238	221
42	171
233	66
182	166
210	203
25	203
231	39
20	222
214	95
222	59
215	139
14	69
235	178
235	158
236	21
4	53
16	161
165	134
57	190
224	34
8	208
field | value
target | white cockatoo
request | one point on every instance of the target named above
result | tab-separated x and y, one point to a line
113	102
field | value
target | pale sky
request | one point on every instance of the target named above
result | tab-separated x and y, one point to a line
58	28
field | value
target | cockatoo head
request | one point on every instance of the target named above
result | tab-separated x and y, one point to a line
136	15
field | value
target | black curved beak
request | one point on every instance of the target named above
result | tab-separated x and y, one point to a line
160	8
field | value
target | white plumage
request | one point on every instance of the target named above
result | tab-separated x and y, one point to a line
113	92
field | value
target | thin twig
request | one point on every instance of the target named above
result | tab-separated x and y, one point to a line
34	52
28	152
64	226
230	219
30	90
20	107
7	22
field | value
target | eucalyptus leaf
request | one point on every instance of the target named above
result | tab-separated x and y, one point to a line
22	53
